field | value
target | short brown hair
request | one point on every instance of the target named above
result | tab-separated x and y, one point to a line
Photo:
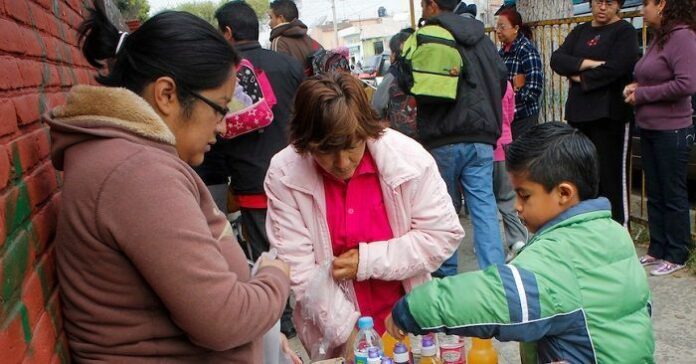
332	113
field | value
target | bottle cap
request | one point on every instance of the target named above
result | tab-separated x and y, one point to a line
373	352
428	346
387	360
400	348
365	323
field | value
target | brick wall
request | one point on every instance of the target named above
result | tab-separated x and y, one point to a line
39	62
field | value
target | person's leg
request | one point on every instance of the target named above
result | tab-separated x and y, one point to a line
520	126
672	166
219	193
505	200
477	183
449	166
254	223
649	146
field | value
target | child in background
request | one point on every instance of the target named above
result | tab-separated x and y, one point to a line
515	233
576	293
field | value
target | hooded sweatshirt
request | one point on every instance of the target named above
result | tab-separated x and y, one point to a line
476	115
291	38
149	269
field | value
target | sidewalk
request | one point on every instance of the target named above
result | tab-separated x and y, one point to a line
674	312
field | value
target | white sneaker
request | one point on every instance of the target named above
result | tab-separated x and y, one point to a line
514	249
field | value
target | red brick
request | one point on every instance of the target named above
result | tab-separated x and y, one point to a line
8	117
52	50
10	77
33	299
25	152
27	107
43	342
42	141
46	4
32	42
31	72
41	184
12	44
18	10
53	307
5	168
12	339
44	223
16	263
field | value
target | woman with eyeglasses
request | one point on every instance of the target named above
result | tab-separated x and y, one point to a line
525	70
149	269
665	81
598	57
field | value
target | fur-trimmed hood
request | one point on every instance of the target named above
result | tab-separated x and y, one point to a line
105	112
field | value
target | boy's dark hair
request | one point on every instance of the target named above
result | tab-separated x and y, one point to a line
285	8
397	41
552	153
445	5
241	18
168	44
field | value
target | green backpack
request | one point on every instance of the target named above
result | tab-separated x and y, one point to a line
432	65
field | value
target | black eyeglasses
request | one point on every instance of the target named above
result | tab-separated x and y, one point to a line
219	109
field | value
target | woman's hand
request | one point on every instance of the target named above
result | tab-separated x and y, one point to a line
575	78
629	93
265	262
285	349
345	266
588	64
393	330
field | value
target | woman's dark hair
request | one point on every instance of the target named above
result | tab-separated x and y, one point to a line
554	152
332	113
397	41
175	44
515	18
241	19
676	12
285	8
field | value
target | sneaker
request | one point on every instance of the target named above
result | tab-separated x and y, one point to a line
514	250
666	268
647	260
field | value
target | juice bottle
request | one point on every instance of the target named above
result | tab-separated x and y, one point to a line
401	354
429	351
367	338
482	352
390	342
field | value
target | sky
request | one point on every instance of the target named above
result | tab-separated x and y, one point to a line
314	10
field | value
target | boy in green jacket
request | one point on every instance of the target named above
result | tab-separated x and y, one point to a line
576	293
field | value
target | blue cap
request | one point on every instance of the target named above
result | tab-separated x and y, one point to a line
373	352
365	323
387	360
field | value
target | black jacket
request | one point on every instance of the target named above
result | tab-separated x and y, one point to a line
245	159
476	115
600	94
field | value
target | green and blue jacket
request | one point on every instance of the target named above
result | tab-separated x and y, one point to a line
576	293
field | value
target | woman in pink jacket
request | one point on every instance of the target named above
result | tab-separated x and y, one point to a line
358	211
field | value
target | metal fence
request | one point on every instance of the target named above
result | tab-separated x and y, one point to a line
548	36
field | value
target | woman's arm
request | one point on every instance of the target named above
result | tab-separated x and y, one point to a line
619	63
563	61
435	235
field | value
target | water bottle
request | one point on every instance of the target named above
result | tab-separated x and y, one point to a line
367	338
374	356
429	351
401	354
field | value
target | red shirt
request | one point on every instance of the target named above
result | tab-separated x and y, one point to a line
356	214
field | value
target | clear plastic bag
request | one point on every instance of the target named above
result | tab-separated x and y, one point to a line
321	293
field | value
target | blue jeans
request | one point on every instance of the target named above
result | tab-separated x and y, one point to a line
665	156
470	166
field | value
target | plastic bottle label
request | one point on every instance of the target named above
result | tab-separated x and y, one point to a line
400	358
360	357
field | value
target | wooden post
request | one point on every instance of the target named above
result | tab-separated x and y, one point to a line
412	9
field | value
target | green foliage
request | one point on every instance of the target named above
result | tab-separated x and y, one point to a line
206	9
134	9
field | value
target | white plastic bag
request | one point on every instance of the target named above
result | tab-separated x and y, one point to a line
321	293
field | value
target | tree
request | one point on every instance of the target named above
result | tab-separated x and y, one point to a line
134	9
533	10
206	9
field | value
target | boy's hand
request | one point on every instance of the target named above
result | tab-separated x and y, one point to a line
345	266
393	330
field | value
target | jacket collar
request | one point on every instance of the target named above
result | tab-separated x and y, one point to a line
247	46
584	207
112	107
392	168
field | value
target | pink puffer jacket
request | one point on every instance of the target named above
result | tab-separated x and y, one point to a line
420	213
